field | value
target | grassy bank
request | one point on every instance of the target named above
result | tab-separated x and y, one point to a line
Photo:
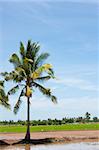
20	129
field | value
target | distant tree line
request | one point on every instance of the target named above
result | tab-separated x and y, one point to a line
86	119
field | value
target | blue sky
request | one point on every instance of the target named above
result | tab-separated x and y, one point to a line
68	30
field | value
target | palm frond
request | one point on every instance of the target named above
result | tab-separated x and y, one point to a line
40	70
2	94
1	84
13	90
3	97
9	76
45	91
20	72
42	79
22	50
15	60
29	49
41	59
17	75
54	99
32	50
27	66
17	105
35	49
3	74
51	73
4	102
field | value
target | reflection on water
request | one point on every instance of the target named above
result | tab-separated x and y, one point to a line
75	146
27	147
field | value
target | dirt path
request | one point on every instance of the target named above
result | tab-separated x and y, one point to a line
69	135
57	134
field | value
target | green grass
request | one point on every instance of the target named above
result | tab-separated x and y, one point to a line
65	127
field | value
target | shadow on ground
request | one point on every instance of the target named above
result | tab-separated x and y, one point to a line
35	141
3	143
48	140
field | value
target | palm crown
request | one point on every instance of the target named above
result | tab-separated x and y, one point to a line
29	71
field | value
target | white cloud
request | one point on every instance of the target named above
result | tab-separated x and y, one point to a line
77	83
43	108
67	107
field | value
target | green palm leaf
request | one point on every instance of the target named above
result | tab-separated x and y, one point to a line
42	79
45	91
32	50
20	72
3	96
41	59
1	84
13	90
15	60
4	102
3	74
44	68
22	50
17	105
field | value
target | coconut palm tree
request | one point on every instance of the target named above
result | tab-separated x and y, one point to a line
28	73
3	96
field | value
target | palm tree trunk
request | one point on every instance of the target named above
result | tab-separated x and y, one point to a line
27	136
